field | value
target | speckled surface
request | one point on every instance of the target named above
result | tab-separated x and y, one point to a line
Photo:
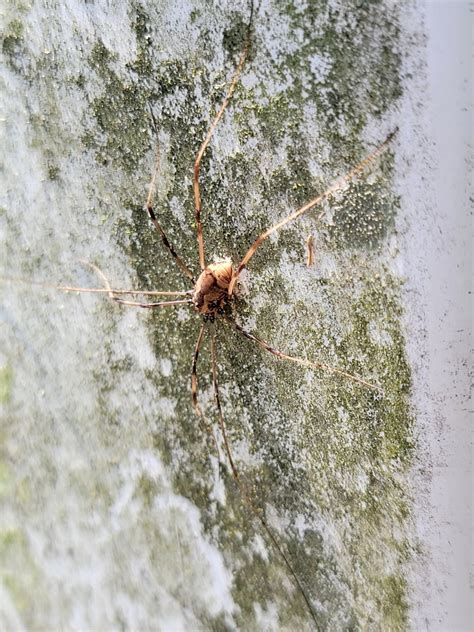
116	511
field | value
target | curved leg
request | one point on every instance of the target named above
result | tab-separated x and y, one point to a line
312	365
197	163
335	186
93	290
111	294
235	473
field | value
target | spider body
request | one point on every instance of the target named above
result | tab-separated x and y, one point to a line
211	295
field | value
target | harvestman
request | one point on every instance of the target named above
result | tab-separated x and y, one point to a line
213	291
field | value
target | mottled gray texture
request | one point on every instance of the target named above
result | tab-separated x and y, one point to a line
116	512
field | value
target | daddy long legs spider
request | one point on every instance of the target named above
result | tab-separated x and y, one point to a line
212	291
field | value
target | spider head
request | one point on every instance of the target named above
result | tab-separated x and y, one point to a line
211	289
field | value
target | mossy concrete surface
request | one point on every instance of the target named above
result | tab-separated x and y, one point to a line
116	510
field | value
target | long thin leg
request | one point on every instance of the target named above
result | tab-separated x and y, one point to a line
235	473
335	186
283	356
194	389
197	163
121	301
222	425
149	207
194	382
93	290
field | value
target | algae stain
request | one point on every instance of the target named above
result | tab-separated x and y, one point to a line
15	555
351	436
120	114
6	383
12	41
355	443
234	37
53	172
